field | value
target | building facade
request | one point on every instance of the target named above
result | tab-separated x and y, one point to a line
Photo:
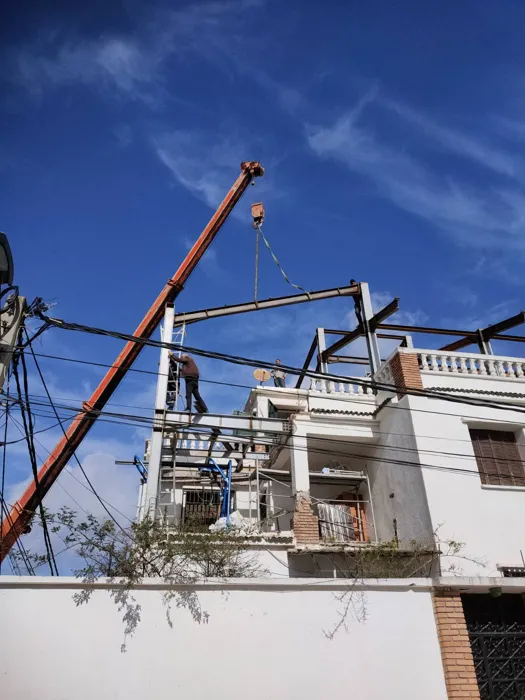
416	474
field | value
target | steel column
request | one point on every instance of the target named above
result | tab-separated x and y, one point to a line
152	485
370	335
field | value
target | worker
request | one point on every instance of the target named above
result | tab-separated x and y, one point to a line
190	372
279	377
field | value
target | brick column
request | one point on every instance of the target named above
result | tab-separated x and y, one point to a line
456	653
405	372
305	523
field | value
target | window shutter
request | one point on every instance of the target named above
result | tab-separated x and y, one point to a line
498	457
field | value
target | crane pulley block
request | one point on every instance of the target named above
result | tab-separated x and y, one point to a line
258	214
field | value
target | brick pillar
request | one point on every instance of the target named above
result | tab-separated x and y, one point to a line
405	372
305	523
456	653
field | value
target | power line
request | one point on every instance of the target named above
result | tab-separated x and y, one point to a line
140	371
27	423
235	359
65	435
332	396
416	450
22	550
4	450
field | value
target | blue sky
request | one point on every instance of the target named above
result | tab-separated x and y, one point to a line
393	138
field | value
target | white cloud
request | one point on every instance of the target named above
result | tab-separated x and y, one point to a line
204	164
107	63
483	318
490	217
458	142
134	65
203	168
410	318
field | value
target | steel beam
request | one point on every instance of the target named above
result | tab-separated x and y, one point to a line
373	324
223	422
321	352
485	335
383	313
491	331
423	329
219	311
346	340
309	358
349	360
201	457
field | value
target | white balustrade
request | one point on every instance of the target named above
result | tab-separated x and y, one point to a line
349	389
474	365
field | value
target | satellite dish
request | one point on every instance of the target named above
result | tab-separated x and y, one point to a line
262	375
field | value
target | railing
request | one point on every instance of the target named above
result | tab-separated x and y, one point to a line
472	365
343	521
384	375
326	386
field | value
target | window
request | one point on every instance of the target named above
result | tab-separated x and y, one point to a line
201	508
498	458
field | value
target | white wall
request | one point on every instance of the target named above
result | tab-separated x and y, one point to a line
490	520
263	641
397	491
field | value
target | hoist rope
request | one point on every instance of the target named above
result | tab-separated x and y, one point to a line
256	284
276	261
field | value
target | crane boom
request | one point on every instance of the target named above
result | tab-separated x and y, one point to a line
23	510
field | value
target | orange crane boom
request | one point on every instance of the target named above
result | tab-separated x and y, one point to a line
23	510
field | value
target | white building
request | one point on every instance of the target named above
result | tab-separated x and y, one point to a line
399	499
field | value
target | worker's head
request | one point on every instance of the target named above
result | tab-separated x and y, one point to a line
277	362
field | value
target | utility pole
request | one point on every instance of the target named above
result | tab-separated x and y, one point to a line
12	309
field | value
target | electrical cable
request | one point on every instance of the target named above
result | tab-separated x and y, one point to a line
234	359
69	473
4	451
26	420
47	537
333	397
66	436
21	549
134	369
323	439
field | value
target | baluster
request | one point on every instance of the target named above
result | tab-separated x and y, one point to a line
482	367
434	363
360	389
498	364
519	369
463	365
513	369
341	388
453	366
491	367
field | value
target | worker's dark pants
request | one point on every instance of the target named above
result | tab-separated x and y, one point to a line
279	381
192	388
